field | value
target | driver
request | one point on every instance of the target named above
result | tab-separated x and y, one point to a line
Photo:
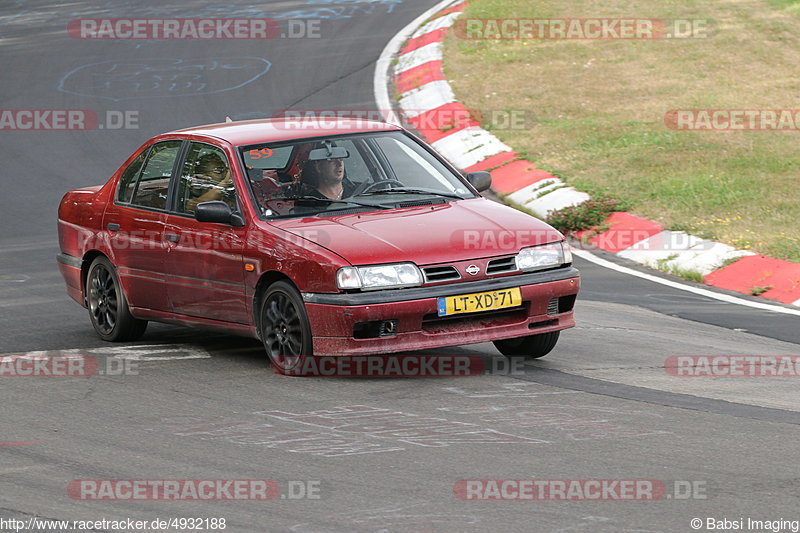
326	179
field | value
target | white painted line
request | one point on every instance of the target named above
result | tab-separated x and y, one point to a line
429	96
21	302
437	24
16	278
675	285
469	146
21	469
139	352
420	56
14	248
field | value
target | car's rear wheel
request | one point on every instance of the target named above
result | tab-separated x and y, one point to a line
108	308
285	329
532	346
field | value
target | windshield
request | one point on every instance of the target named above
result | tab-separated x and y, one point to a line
357	172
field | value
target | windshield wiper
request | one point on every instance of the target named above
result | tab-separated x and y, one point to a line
407	190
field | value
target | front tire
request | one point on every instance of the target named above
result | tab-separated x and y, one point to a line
108	308
532	346
285	329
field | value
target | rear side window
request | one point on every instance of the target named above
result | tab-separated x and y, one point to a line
152	187
206	177
128	179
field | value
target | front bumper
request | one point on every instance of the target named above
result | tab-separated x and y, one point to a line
333	316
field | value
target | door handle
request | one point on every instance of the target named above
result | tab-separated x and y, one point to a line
112	226
172	237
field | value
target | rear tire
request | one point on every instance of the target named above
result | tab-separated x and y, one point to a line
285	329
108	307
532	346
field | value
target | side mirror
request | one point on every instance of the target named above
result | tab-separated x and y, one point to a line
481	180
218	213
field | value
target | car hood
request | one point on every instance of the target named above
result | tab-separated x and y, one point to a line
454	231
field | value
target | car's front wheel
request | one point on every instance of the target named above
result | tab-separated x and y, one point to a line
532	346
285	329
108	308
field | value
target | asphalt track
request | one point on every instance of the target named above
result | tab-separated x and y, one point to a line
198	405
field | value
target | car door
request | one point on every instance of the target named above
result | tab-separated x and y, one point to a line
204	264
135	224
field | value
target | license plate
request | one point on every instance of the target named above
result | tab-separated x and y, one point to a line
480	301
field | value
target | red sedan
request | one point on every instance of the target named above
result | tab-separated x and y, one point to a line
343	237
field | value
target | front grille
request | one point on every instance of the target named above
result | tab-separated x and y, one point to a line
435	324
440	273
552	307
501	264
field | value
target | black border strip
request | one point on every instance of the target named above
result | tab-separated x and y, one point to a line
566	380
69	260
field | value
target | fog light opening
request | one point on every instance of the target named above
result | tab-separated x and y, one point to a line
388	327
375	329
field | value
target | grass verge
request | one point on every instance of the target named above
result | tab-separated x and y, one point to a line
599	109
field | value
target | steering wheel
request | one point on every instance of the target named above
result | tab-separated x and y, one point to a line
377	184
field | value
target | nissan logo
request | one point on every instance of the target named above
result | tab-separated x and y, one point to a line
473	270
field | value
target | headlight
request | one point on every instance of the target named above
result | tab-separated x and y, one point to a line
379	277
546	256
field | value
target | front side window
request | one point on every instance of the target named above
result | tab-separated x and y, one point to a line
152	188
205	177
370	171
411	163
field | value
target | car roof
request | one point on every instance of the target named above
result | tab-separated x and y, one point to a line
246	132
